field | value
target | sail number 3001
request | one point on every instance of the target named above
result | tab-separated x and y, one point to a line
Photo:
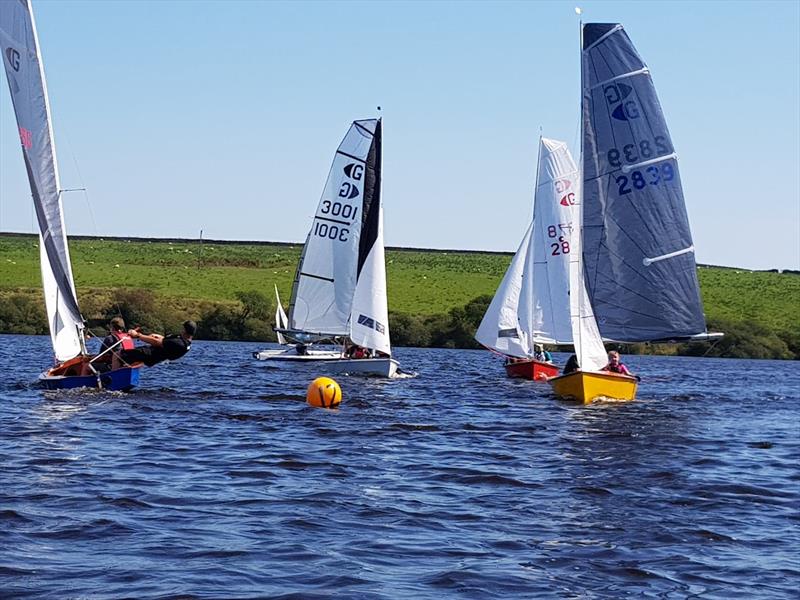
335	209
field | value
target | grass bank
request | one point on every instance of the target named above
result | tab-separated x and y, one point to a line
428	289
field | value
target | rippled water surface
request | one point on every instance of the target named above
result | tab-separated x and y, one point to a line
215	480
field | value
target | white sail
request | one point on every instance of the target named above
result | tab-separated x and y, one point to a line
546	292
26	81
369	320
532	304
500	328
587	341
340	285
281	322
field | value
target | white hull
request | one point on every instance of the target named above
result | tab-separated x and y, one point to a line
291	355
383	367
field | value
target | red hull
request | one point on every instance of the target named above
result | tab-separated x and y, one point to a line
531	369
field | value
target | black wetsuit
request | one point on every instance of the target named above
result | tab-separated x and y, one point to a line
173	347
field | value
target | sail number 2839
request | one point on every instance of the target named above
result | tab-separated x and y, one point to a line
652	175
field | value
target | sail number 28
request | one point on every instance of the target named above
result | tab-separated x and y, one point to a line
560	245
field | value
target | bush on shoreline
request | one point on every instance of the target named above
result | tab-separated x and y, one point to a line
249	318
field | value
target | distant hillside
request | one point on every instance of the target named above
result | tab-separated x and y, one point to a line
425	286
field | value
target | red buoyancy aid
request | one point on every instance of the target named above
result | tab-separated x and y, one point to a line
127	341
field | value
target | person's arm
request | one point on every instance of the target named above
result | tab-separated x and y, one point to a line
154	339
624	370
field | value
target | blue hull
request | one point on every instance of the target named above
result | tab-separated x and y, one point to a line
119	380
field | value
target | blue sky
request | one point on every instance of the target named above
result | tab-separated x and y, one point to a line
224	116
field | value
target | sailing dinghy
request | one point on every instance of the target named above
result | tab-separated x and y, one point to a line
300	347
531	306
25	73
638	257
339	290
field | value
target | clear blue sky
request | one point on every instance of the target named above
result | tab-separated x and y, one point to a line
224	116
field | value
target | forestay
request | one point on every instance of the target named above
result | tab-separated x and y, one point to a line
638	252
340	285
532	304
26	81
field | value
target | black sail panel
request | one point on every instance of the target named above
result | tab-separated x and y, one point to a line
370	218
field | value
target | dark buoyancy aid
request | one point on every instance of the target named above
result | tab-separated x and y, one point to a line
618	368
127	341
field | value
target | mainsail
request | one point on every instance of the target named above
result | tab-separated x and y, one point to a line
638	253
25	74
532	303
340	285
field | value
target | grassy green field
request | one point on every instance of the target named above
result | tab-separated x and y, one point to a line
419	282
188	274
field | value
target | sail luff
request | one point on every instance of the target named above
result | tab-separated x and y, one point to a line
28	88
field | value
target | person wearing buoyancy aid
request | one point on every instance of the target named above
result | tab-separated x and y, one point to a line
160	347
118	340
615	366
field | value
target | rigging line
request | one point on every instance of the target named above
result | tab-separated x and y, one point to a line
80	180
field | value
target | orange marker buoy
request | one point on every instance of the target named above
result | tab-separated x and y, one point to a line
324	392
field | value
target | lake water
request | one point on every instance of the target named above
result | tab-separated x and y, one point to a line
216	480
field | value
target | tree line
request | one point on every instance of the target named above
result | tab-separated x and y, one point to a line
250	319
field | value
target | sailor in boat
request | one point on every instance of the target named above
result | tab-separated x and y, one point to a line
109	356
160	348
356	351
615	366
571	366
540	354
112	345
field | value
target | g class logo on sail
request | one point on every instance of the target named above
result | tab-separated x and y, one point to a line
616	93
13	58
354	171
348	190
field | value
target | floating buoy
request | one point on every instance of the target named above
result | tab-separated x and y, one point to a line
324	392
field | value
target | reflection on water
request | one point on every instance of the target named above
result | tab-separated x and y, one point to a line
216	480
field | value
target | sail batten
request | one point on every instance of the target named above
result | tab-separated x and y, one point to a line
25	74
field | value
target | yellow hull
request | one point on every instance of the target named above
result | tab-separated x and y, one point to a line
585	386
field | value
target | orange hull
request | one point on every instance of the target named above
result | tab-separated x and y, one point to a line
531	369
